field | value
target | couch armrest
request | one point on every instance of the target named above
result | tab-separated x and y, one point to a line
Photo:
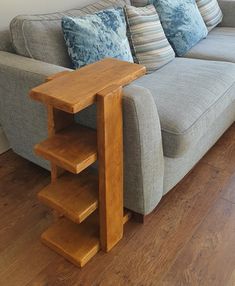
25	123
143	155
23	120
41	70
228	9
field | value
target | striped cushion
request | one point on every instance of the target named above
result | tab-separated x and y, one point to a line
141	3
211	12
149	44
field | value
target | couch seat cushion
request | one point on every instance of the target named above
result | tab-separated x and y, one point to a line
218	46
190	95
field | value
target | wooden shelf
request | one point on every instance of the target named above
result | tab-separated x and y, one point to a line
77	243
126	216
76	90
73	148
81	232
74	196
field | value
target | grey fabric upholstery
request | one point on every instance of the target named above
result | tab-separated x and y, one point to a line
187	108
40	36
5	41
177	168
218	46
142	151
22	119
228	10
24	122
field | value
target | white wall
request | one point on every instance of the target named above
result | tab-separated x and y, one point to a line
10	8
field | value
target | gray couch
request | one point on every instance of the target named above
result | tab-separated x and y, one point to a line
172	117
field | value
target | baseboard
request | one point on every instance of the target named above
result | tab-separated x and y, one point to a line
4	144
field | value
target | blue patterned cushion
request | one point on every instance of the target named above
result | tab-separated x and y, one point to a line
94	37
182	23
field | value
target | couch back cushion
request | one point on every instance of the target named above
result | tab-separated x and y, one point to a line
211	12
5	42
92	38
150	46
40	36
182	23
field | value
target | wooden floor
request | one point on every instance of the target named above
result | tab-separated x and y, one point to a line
188	240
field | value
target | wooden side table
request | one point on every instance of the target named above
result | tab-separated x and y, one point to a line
89	205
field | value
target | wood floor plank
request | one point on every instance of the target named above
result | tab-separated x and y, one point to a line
171	226
20	208
9	162
26	257
222	155
209	257
231	281
229	193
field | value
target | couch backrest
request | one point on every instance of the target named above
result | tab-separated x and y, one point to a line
40	36
5	41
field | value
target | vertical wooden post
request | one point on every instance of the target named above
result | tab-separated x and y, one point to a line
57	120
110	157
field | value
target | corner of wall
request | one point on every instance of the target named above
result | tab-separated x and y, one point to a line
4	144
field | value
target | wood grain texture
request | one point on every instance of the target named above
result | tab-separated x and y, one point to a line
172	225
73	148
229	194
126	216
22	219
110	156
74	196
76	90
222	155
187	222
77	243
57	75
211	249
56	121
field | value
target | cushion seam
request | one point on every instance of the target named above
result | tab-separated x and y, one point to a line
202	115
23	70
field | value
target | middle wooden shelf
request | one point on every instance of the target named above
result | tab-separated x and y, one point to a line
74	196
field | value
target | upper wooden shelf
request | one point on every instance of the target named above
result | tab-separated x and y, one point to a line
74	91
73	148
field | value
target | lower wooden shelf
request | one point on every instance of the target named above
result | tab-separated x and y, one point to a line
74	196
77	243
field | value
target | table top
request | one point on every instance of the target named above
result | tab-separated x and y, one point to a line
74	91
